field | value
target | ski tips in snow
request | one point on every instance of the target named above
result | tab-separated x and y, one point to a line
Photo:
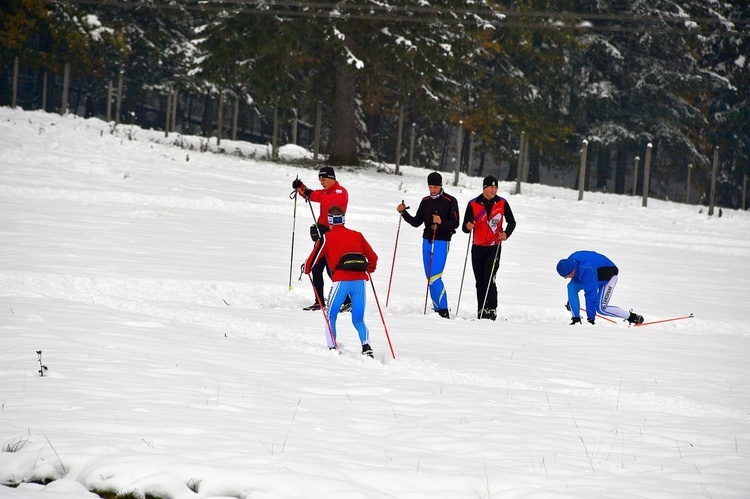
665	320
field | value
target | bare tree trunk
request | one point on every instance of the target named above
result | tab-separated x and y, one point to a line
344	134
344	137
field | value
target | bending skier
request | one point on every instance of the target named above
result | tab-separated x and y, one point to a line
596	275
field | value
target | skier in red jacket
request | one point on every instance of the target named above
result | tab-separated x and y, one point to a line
352	259
485	215
331	194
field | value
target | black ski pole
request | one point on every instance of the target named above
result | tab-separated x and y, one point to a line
466	258
315	220
294	228
495	260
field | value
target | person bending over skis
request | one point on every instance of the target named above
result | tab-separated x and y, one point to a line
596	275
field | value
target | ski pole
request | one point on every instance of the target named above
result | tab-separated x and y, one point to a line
393	263
496	259
666	320
602	317
429	267
325	315
385	328
294	228
466	258
315	220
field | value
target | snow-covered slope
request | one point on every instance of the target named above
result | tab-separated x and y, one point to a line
155	280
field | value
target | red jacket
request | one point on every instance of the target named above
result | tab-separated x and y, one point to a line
335	195
487	227
335	244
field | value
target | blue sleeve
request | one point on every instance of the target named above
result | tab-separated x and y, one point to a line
575	305
590	286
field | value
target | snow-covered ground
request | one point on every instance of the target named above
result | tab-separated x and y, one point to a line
154	279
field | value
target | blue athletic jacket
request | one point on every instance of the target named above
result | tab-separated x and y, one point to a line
587	279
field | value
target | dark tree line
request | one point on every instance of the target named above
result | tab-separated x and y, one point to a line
618	74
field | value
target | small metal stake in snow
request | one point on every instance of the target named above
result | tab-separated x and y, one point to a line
42	367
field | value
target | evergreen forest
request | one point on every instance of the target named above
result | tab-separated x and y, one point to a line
441	84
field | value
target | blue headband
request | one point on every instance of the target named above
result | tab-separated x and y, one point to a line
336	219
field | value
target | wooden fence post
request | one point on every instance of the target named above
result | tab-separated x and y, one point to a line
275	136
459	144
412	136
713	182
646	174
66	85
519	167
318	120
398	139
109	101
118	102
235	117
582	169
635	175
168	113
470	165
44	91
220	119
15	83
295	121
173	119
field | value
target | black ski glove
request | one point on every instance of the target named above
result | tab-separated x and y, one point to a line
567	306
307	193
297	182
591	321
576	320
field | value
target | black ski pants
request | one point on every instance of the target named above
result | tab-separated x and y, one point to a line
317	277
485	267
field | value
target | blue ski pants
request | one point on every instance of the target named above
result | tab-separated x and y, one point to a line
339	291
434	255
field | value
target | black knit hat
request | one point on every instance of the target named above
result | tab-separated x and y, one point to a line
489	181
434	178
326	172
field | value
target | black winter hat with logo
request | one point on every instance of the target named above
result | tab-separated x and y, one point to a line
326	172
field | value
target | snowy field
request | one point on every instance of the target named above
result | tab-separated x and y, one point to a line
154	279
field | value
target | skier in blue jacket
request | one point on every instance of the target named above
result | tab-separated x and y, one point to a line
596	275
